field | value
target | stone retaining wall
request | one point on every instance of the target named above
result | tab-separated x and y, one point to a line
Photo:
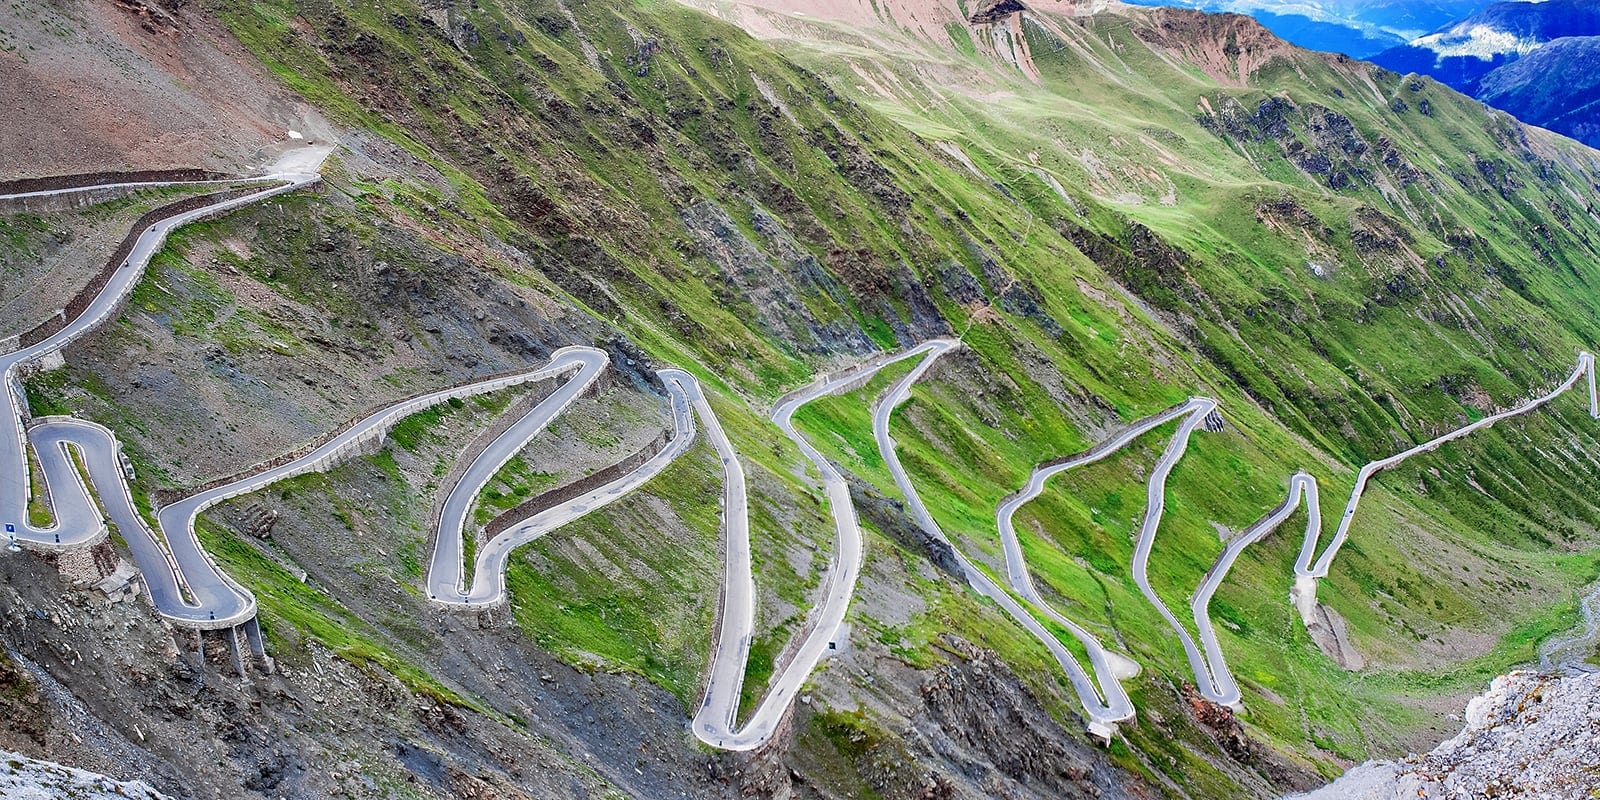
577	488
82	300
58	182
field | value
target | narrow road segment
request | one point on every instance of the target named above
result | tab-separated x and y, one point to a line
185	585
1105	704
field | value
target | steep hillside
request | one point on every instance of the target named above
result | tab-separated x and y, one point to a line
94	86
1113	211
1529	731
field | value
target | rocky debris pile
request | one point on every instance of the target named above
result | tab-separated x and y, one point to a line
1532	735
259	519
23	778
977	704
1328	630
1230	734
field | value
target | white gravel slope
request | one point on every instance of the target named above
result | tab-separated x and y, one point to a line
1532	735
23	778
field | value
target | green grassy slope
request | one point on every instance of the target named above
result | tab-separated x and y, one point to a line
1436	267
1345	272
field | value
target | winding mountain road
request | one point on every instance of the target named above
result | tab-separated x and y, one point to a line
1307	574
715	719
1109	666
1105	704
184	584
1302	487
714	723
446	581
1212	680
188	588
1224	689
82	469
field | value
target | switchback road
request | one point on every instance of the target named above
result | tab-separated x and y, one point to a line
446	581
1307	573
1212	680
184	584
1108	666
446	573
1104	705
82	469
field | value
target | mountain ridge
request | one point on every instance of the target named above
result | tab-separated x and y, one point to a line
1478	55
1113	210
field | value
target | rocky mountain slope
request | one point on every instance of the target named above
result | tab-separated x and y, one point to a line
92	86
23	778
1114	208
1532	734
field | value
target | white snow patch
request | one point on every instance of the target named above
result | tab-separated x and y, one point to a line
1475	41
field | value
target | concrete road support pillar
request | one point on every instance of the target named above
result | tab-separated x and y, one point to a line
258	645
235	651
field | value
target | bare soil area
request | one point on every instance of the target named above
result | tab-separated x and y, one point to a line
133	85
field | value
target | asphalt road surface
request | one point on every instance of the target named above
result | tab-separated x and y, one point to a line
184	584
714	722
1224	689
1307	573
489	569
188	588
446	581
716	717
1104	705
1111	703
1216	685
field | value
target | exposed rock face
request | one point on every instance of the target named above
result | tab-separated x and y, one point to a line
979	703
23	778
1230	734
890	517
1327	629
1228	47
1533	734
777	285
108	687
997	11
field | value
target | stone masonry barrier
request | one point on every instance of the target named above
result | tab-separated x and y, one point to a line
577	488
54	183
59	321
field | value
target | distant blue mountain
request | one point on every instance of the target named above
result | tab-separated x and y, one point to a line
1534	60
1355	28
1333	37
1537	60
